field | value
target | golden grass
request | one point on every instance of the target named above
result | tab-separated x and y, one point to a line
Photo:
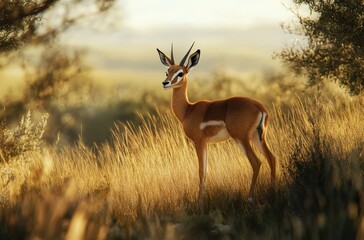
152	170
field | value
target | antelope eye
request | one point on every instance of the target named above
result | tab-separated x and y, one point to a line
180	74
166	74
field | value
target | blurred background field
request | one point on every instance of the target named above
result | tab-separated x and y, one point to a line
89	148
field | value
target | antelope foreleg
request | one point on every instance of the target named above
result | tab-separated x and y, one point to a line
201	150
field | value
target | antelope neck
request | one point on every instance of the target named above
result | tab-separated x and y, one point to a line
180	102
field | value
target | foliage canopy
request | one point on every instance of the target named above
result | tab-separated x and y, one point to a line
334	46
22	22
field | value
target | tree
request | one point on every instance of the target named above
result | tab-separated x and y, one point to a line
52	68
333	46
22	21
19	21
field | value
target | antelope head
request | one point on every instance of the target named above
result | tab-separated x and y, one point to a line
177	74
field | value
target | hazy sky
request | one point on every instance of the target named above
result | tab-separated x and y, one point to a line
147	15
236	36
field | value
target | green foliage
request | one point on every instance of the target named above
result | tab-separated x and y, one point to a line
53	83
52	71
24	138
22	22
334	43
19	21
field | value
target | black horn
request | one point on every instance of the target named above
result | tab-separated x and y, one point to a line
185	57
172	58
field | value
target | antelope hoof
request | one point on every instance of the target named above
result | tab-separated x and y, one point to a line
201	195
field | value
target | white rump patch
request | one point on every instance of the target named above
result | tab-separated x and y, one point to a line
263	121
260	116
203	125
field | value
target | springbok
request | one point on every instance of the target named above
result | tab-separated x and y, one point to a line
242	119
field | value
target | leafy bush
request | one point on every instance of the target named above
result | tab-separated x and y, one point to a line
332	46
25	137
324	195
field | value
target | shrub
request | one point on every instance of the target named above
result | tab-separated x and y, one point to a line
326	189
24	138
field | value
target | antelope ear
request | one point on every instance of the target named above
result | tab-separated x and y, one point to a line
164	59
193	60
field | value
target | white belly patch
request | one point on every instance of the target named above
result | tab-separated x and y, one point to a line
215	131
203	125
222	135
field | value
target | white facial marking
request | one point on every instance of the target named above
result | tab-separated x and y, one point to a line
203	125
167	85
176	74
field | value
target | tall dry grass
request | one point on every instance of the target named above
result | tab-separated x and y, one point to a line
144	182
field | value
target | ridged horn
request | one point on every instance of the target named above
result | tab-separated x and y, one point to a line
185	57
172	58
